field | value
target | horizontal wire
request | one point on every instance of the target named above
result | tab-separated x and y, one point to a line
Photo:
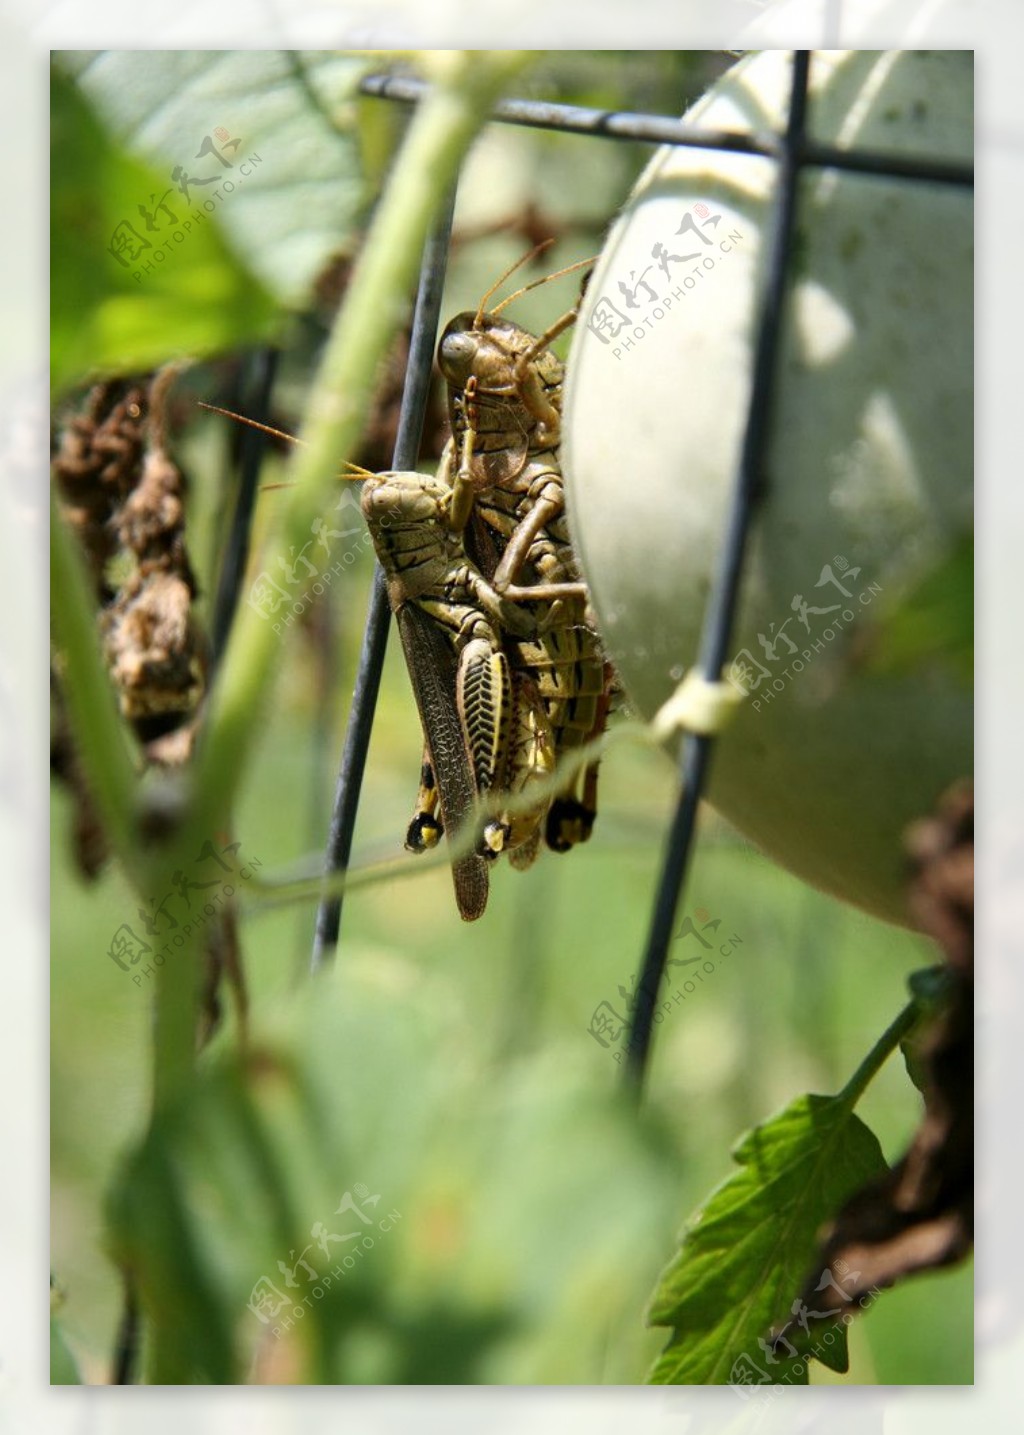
665	129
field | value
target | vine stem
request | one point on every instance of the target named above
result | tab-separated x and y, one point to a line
883	1048
101	739
375	304
425	169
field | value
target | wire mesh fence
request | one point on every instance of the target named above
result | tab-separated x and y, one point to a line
793	150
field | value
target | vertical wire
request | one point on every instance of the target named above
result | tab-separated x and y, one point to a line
695	750
251	447
126	1349
325	636
378	618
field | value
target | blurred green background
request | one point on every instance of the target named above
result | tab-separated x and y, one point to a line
447	1067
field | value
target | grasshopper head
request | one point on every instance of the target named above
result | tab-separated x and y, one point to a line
481	348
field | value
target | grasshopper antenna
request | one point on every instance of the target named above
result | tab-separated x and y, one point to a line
250	423
536	283
355	469
523	259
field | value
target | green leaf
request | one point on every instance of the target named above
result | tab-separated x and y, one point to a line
518	1229
933	622
108	313
745	1257
379	128
203	1202
930	988
63	1367
295	112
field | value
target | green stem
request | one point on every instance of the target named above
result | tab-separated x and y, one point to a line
374	306
100	739
880	1052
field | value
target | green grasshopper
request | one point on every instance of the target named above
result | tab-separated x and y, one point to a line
502	464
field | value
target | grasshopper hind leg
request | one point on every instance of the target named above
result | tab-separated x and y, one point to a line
570	821
531	759
571	817
426	827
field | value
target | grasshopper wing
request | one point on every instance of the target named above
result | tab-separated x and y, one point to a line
432	669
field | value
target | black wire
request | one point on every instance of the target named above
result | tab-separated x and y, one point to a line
252	446
696	750
375	634
791	150
126	1350
665	129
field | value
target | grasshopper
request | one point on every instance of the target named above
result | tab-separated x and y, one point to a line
502	464
453	625
506	676
487	725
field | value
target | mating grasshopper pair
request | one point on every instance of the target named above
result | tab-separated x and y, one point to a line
506	667
505	663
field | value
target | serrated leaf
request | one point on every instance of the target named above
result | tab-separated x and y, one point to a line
108	314
745	1256
295	110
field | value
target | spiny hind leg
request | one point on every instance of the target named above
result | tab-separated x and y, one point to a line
574	811
531	759
483	695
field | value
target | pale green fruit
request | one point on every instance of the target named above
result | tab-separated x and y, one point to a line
870	465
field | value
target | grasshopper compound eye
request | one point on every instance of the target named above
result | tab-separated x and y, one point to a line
457	351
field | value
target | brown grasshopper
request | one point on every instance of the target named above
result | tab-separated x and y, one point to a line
486	724
506	676
502	463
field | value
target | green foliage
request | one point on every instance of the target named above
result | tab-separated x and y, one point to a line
516	1224
63	1368
746	1254
934	622
447	1070
109	316
292	110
